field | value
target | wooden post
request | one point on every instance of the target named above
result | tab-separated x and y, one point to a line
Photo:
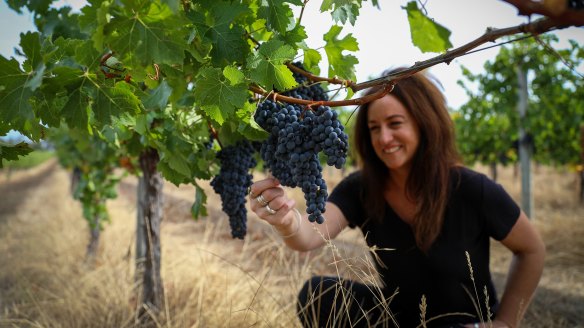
524	146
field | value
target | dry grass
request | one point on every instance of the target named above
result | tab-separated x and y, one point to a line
212	280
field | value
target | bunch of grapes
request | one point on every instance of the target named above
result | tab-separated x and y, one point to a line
297	135
232	182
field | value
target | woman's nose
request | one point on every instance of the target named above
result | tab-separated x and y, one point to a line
385	135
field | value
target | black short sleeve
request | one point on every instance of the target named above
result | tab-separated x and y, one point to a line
500	210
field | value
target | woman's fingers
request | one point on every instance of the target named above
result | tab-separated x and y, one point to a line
268	200
263	192
258	187
276	210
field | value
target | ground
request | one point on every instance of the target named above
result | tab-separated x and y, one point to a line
212	280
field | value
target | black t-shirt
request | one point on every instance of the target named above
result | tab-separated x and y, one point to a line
477	209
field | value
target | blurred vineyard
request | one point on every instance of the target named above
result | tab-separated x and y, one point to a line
212	280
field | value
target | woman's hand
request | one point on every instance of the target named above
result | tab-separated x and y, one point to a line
268	200
493	324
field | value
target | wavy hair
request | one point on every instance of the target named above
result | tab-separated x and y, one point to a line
428	183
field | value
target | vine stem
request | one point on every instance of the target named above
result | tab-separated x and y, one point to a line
536	27
215	134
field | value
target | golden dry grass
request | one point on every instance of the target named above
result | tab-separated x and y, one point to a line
212	280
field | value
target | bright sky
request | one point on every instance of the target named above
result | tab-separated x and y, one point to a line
383	35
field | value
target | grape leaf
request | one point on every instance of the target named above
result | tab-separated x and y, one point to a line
152	33
217	96
247	126
277	14
12	152
267	66
158	98
14	94
311	60
169	174
199	208
427	35
346	13
94	18
295	35
331	4
40	7
174	5
75	107
234	75
31	46
227	38
340	65
114	101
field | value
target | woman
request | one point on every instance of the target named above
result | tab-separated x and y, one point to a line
435	216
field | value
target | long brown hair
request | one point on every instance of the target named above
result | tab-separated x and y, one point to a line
429	179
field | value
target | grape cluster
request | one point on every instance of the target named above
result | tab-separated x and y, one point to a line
232	182
297	136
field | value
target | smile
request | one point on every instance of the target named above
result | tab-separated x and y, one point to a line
392	149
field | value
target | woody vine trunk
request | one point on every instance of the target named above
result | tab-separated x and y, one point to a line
150	203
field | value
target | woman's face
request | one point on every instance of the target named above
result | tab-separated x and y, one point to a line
394	134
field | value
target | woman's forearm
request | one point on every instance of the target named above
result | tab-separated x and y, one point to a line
524	274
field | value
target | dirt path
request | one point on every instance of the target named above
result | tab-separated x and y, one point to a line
16	185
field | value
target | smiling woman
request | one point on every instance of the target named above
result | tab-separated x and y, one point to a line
435	217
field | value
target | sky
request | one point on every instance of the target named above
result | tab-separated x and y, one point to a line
383	35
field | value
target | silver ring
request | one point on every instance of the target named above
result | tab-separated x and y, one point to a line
270	210
476	325
251	194
261	200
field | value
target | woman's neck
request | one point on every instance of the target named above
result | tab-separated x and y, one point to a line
398	179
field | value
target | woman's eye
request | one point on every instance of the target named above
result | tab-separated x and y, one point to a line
373	128
395	123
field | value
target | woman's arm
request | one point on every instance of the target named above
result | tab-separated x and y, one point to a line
296	231
524	273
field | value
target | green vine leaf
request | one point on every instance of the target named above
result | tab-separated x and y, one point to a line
427	35
277	13
154	32
12	152
346	13
158	98
199	209
218	28
340	65
267	66
217	96
247	126
14	94
114	101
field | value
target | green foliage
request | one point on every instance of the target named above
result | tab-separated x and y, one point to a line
94	160
427	35
488	125
135	75
28	156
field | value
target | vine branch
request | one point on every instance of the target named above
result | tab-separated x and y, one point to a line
536	27
556	10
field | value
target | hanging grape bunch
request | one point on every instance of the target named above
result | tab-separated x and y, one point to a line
297	135
232	182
